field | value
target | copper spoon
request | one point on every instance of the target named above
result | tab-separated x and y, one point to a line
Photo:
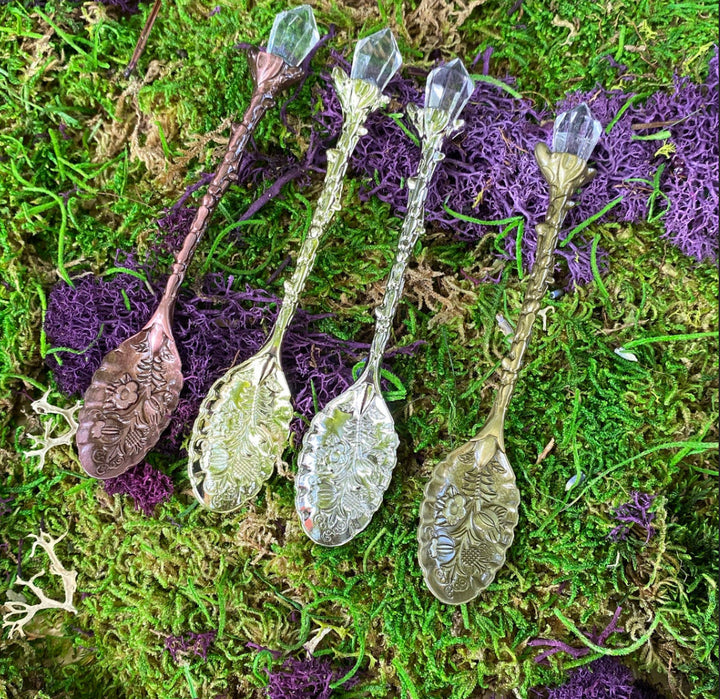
134	392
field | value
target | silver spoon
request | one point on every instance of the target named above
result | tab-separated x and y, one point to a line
470	509
349	450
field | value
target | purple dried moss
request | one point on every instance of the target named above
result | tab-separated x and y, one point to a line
490	174
196	644
214	330
146	485
635	512
555	646
308	678
604	678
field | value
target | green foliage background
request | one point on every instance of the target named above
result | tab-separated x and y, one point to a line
67	205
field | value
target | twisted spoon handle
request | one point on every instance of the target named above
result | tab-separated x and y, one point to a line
270	75
358	98
564	174
432	125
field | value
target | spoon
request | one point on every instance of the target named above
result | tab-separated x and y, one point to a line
136	388
349	451
470	509
244	421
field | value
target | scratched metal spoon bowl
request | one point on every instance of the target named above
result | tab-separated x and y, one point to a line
347	460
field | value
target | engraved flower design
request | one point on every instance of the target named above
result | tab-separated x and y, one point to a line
478	556
454	509
96	432
442	549
126	392
338	453
451	506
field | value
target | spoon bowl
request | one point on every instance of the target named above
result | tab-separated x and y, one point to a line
240	432
130	400
345	466
467	520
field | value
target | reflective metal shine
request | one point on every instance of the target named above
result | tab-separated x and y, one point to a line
470	508
244	422
349	451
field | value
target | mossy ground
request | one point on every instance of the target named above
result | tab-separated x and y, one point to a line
71	196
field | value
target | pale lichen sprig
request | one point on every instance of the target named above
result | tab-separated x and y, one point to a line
42	444
22	610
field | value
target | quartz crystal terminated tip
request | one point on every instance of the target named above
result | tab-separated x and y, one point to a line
576	132
448	88
293	34
376	59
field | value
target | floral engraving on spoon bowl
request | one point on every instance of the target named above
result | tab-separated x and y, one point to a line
129	404
467	521
227	462
346	463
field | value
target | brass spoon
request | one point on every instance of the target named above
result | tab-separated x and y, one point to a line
470	509
136	388
243	424
349	451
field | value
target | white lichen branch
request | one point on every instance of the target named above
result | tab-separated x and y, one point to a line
42	444
17	608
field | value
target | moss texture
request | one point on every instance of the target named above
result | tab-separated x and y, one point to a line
88	162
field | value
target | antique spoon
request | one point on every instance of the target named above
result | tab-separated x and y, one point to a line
470	509
349	451
243	424
136	388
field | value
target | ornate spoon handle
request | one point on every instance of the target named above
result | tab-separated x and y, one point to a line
270	75
358	98
564	174
432	125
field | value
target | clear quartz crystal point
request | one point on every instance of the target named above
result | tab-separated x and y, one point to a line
293	34
448	88
576	132
376	58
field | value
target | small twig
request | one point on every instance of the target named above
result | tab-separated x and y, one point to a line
548	448
661	124
143	38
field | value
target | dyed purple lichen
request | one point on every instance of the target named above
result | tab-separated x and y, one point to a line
306	678
146	485
687	197
604	678
489	172
190	643
175	222
214	329
555	646
127	7
636	512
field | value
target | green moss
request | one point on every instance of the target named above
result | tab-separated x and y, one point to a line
69	204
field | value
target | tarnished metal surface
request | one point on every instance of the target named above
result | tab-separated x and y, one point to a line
470	509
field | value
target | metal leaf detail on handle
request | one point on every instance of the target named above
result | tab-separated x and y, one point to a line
470	509
244	422
136	388
349	451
